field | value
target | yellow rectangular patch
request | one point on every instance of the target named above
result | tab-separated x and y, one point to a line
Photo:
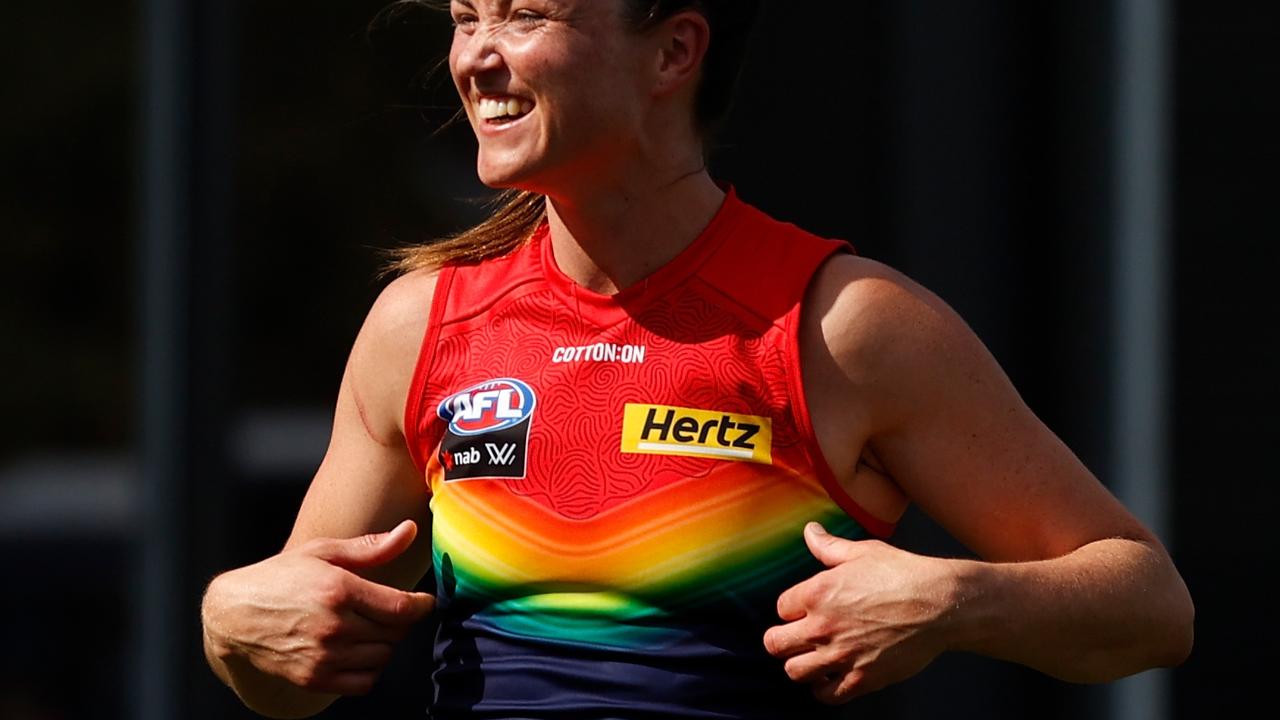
667	430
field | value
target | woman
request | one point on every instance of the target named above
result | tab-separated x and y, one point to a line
631	395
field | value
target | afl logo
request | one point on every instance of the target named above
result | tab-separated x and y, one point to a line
491	406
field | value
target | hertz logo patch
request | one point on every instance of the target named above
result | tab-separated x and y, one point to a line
666	430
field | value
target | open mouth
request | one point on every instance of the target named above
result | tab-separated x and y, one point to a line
500	111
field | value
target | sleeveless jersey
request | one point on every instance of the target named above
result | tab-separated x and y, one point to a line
619	482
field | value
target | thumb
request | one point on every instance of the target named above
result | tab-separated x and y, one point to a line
369	550
827	548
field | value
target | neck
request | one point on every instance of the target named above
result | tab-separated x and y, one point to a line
608	236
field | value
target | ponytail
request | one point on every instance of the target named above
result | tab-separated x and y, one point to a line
518	215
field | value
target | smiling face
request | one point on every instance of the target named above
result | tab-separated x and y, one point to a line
554	89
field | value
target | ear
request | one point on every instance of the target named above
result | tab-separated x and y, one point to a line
683	39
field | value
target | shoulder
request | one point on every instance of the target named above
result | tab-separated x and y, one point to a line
385	352
868	300
402	307
889	336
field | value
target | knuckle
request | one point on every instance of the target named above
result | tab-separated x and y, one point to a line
328	628
400	605
818	586
331	591
821	628
306	677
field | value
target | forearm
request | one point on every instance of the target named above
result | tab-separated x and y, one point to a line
265	694
1109	609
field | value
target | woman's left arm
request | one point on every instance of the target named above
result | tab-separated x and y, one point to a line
1069	582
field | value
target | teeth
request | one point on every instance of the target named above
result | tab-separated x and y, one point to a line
510	107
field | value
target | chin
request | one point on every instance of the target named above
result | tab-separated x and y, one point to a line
509	178
498	175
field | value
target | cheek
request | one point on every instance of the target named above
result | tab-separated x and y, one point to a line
592	92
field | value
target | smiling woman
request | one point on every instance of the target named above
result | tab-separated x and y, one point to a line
492	101
660	438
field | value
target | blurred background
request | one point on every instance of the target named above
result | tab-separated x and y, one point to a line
194	195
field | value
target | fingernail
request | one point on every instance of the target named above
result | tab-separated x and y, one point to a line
816	528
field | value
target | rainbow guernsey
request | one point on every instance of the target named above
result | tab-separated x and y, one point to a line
619	482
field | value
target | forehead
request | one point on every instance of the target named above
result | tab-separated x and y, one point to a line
501	5
580	13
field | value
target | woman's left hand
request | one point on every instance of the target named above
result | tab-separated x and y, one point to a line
876	616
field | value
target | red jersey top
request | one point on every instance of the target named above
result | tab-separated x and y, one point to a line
619	482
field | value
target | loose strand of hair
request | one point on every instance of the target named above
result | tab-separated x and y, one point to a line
517	216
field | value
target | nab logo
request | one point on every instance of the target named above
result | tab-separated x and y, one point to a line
488	407
488	430
666	430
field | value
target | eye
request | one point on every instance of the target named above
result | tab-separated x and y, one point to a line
464	21
528	17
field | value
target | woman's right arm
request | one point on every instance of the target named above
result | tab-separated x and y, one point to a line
318	620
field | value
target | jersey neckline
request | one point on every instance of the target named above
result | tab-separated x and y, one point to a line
604	310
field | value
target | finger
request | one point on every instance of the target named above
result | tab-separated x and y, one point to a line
386	605
365	551
357	628
840	686
814	668
784	641
827	548
346	682
828	690
791	603
363	656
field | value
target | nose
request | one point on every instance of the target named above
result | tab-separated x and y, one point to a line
476	54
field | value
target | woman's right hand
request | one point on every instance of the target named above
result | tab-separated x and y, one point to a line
306	617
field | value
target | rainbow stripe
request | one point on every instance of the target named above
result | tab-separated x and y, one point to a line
622	577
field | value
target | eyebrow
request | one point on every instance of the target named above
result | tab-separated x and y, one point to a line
469	4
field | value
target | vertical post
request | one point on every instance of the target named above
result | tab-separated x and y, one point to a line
163	258
1141	297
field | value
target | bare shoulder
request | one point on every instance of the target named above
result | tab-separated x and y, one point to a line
878	324
935	408
386	350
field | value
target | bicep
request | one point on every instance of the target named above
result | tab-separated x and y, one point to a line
367	481
366	484
957	437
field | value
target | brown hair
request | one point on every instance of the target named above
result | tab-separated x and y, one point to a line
517	214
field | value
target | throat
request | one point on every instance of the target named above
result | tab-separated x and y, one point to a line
608	247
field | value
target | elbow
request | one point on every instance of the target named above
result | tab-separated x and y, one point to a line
1171	626
1179	635
1170	633
1165	640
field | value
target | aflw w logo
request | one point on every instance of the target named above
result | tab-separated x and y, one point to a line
501	455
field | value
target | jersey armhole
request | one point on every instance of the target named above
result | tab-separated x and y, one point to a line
804	422
422	367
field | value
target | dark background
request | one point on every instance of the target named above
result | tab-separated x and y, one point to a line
193	197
